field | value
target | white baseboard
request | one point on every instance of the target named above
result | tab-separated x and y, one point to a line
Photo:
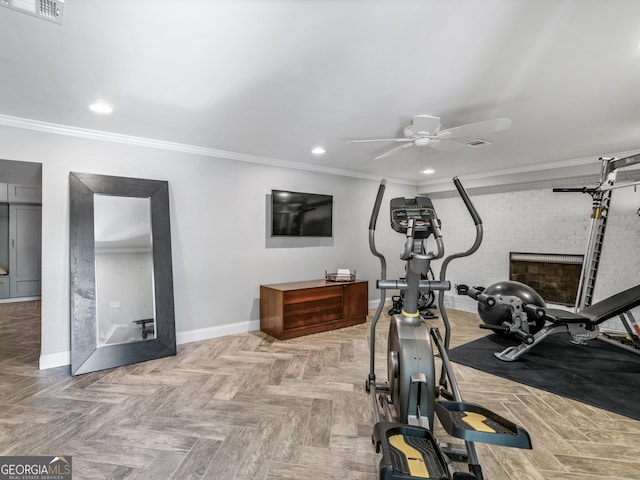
454	302
53	360
62	359
218	331
19	299
376	302
461	302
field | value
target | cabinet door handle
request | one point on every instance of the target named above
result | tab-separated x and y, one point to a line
13	243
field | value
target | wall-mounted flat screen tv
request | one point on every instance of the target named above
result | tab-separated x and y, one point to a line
296	214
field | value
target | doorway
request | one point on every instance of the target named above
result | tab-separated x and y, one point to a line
20	262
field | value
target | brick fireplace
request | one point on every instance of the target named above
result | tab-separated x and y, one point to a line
554	276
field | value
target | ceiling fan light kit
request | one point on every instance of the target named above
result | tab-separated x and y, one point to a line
424	131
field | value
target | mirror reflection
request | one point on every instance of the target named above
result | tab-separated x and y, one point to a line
124	270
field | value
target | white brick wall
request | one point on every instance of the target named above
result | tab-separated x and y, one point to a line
531	218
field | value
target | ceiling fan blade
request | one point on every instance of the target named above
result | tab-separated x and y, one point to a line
381	140
425	123
475	129
446	145
393	150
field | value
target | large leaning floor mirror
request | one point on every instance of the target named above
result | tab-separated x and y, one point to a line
121	274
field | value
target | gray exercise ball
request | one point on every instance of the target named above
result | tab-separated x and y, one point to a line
501	312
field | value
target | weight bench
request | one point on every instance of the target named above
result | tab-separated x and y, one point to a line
146	330
580	326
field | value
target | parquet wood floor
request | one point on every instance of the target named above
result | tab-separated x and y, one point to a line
251	407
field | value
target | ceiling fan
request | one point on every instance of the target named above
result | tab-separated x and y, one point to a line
425	131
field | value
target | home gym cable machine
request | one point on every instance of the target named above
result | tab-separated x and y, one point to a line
405	407
601	196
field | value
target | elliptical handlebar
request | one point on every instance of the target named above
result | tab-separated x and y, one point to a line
467	201
376	205
445	263
372	228
437	235
408	253
383	275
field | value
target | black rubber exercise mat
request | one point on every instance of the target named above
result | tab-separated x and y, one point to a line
598	374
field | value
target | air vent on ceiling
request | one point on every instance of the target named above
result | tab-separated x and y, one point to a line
478	142
51	10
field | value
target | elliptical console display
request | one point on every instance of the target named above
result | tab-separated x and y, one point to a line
420	209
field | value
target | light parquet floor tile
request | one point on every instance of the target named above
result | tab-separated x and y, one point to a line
251	407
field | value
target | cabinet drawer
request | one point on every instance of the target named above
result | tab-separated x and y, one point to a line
312	312
312	294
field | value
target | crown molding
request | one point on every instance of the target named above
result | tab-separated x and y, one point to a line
98	135
517	175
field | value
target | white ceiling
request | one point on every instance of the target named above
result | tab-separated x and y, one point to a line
274	78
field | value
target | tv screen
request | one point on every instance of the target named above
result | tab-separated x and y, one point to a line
296	214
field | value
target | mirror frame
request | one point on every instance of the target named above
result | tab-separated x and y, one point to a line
85	355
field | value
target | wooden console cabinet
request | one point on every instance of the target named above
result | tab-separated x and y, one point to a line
293	309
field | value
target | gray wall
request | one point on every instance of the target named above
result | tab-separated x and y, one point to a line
221	252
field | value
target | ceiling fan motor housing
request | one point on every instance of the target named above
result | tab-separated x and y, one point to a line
422	141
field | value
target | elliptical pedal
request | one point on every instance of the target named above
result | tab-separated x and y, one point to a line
412	457
408	453
478	424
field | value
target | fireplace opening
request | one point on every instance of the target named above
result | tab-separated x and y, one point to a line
554	276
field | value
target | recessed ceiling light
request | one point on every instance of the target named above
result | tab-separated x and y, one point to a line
427	171
478	142
318	151
100	107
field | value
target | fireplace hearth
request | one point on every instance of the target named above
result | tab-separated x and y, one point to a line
554	276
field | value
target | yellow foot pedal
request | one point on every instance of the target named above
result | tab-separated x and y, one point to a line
478	424
408	452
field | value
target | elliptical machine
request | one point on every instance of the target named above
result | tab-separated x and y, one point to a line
411	399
